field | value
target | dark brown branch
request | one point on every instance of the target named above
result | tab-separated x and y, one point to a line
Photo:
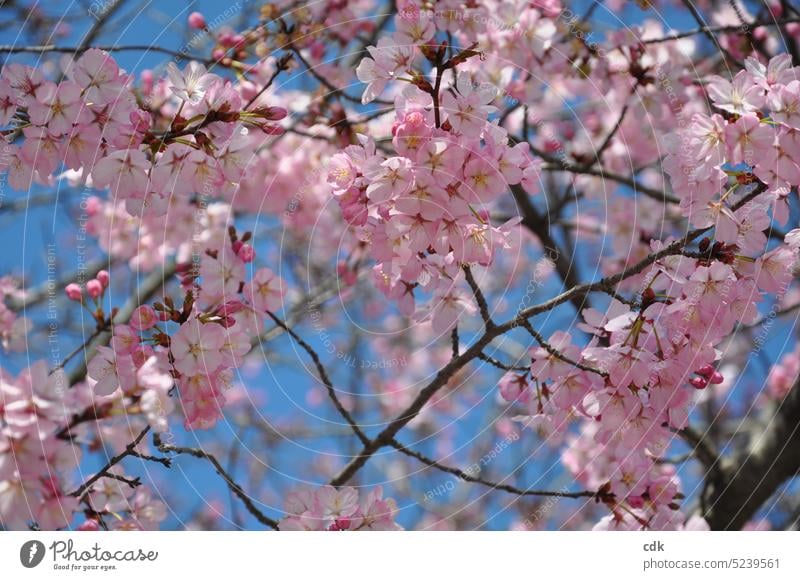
109	9
702	448
323	375
614	130
483	306
658	195
539	226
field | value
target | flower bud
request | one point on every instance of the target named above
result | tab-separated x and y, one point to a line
230	307
706	370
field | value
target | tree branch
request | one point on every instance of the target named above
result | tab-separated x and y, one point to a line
104	472
234	487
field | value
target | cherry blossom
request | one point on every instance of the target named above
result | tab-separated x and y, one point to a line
453	223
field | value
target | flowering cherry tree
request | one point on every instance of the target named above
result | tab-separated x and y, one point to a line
362	265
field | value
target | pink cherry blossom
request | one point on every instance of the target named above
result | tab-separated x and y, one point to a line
196	347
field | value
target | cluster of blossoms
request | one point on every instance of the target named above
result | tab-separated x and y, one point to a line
328	508
422	207
752	136
41	419
157	147
635	378
219	315
612	467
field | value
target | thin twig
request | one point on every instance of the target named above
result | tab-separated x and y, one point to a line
501	486
235	487
500	365
558	354
451	368
323	375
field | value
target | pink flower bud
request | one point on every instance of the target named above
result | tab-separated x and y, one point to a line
272	129
275	113
144	317
237	245
706	370
246	253
73	292
760	33
716	379
94	288
552	145
103	276
698	383
197	20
